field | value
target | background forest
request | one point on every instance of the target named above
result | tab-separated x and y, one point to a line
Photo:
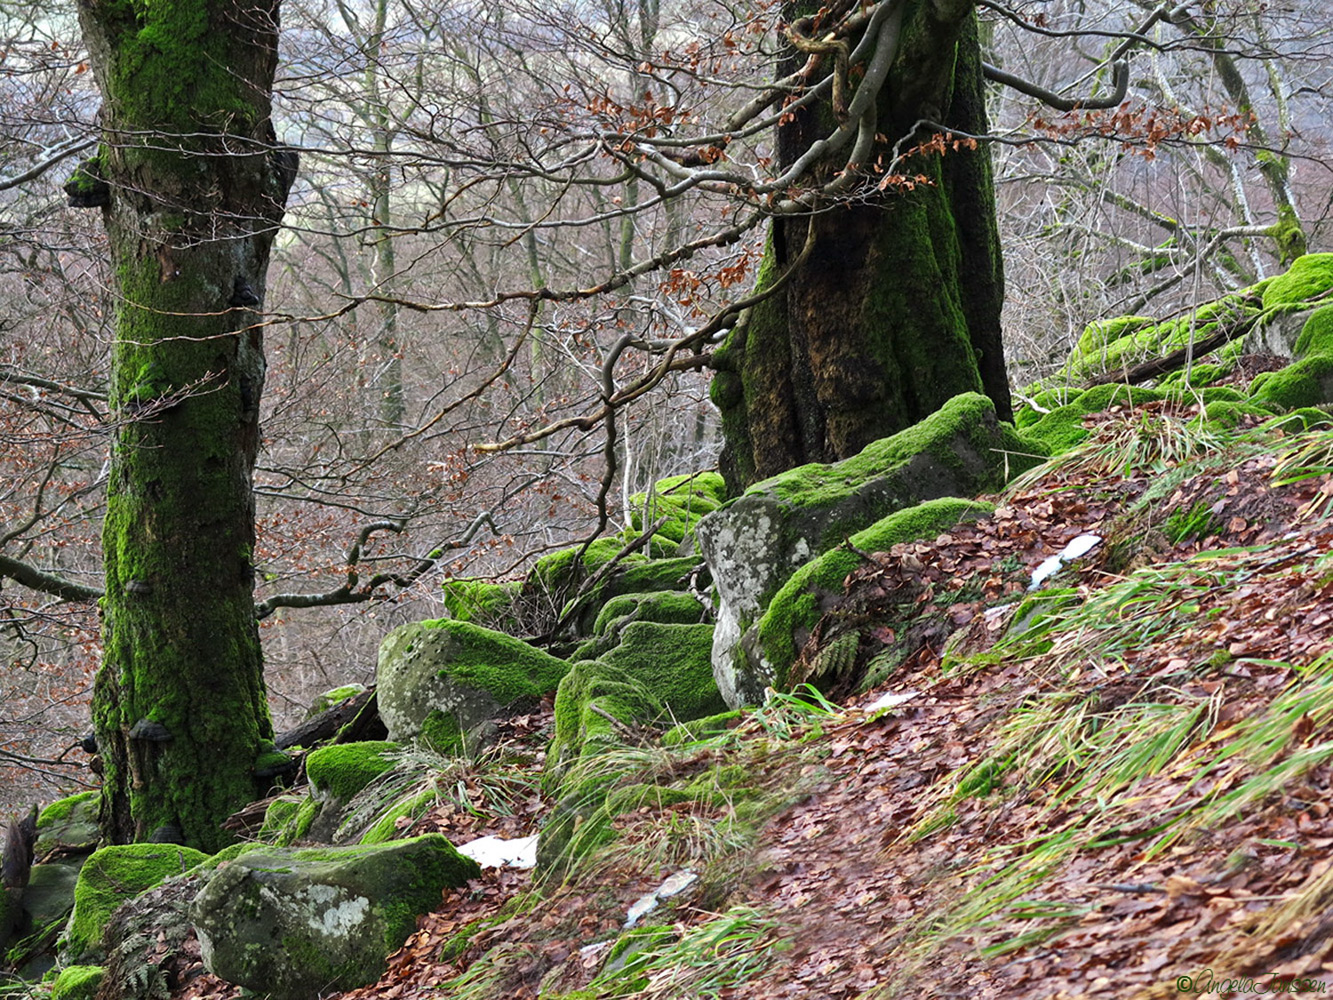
435	404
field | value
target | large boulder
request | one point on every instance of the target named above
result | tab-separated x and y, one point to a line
754	545
110	877
443	681
294	924
796	609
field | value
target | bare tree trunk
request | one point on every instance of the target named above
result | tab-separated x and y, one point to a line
196	193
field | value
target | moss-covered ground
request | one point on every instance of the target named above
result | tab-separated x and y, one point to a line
1114	782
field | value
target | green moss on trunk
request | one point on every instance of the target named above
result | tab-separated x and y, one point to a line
897	309
196	192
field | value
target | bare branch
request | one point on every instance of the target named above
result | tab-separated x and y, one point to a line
36	171
47	583
1120	82
353	591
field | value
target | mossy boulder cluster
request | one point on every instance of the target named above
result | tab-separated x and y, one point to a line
1289	316
647	641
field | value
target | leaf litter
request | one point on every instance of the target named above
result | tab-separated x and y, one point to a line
1133	788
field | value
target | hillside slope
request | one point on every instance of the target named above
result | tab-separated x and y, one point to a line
1115	785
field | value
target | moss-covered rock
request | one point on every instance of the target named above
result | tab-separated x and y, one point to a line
443	681
1232	413
332	697
77	982
483	602
1102	332
1307	277
673	662
294	924
407	807
658	672
682	500
697	730
1306	418
646	577
1308	382
1316	335
666	607
68	824
755	544
1110	345
1199	375
795	610
562	570
340	771
663	606
49	894
111	876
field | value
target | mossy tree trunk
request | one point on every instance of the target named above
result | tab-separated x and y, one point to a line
197	190
898	308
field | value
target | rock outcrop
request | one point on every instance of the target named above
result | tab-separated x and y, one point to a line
754	545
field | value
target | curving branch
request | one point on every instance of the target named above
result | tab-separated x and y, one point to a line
33	578
353	591
1119	79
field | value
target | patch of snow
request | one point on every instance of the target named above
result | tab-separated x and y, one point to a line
497	852
889	700
1078	546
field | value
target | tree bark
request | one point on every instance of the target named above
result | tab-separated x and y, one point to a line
197	190
898	307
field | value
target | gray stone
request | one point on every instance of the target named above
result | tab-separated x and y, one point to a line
754	545
49	894
1277	332
294	924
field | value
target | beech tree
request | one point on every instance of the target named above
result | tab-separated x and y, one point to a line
192	189
896	307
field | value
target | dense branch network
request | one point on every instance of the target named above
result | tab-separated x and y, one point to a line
611	129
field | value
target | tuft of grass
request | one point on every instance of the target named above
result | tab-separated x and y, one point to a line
492	783
710	960
1148	440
